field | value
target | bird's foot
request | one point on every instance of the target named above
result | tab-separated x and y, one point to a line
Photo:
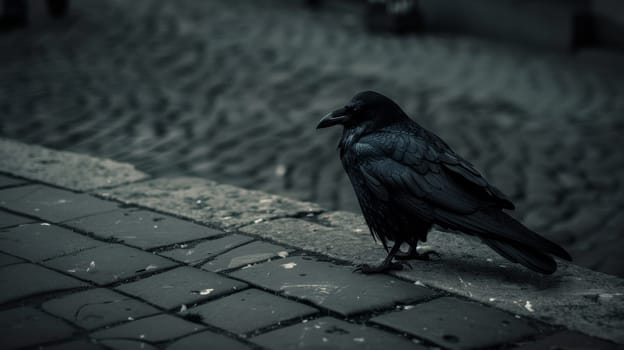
383	267
414	255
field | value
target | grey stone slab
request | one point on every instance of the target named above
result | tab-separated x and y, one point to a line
23	280
9	181
26	326
142	228
330	333
458	324
97	307
81	344
206	201
205	340
567	340
250	310
345	219
9	219
42	241
9	260
247	254
184	285
332	286
109	263
347	238
574	297
195	252
121	344
151	329
65	169
52	204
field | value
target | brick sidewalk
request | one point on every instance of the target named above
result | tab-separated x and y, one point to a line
81	272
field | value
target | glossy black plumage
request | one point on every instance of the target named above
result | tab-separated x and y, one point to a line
406	179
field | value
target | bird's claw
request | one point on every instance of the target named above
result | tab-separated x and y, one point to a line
370	269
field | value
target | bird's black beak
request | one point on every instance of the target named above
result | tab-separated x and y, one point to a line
338	116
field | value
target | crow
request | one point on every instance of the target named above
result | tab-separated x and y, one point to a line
407	179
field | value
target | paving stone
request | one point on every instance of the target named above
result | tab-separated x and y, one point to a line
330	333
9	219
207	339
184	285
332	286
247	254
151	329
9	181
142	228
38	242
46	165
9	260
250	310
458	324
347	239
109	263
195	252
119	344
97	307
26	326
22	280
567	340
82	344
207	201
52	204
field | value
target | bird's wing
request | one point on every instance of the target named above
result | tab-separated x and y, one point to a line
428	180
407	167
464	171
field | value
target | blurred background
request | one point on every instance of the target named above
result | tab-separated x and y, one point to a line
532	92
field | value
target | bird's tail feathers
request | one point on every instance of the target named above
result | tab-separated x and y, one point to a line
526	256
495	225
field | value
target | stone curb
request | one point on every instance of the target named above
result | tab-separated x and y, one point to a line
573	297
66	169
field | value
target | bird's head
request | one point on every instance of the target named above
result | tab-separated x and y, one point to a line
367	109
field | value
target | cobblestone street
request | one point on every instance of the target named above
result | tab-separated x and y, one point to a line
232	90
81	272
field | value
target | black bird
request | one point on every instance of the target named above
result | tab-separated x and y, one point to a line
407	179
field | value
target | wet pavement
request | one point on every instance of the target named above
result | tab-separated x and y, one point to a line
71	281
232	90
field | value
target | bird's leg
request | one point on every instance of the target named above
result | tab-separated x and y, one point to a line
386	265
412	253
